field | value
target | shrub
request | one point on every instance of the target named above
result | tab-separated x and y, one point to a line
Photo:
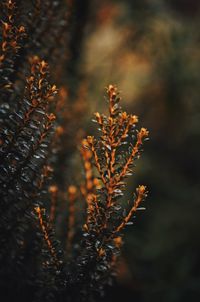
39	260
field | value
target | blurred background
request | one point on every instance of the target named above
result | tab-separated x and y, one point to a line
150	50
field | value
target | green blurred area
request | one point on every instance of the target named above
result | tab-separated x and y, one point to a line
150	50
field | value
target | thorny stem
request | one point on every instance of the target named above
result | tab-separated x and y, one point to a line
46	235
141	190
141	134
90	140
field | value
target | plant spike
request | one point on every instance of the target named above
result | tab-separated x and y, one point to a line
113	155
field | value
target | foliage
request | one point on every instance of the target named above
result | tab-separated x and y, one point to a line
35	265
